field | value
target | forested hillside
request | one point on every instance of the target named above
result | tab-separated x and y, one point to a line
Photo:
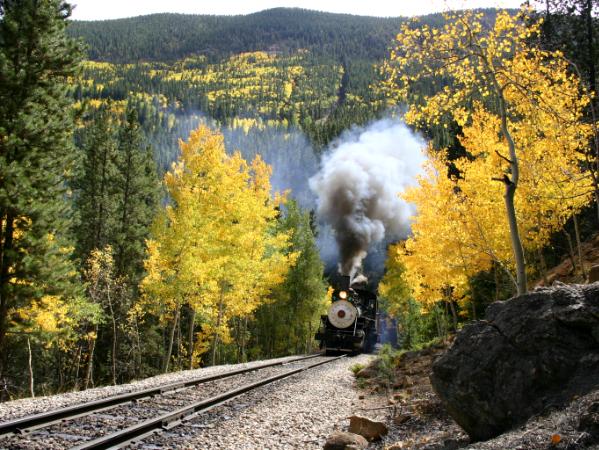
293	67
167	37
143	219
317	95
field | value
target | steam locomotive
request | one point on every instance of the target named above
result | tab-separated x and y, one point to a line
350	324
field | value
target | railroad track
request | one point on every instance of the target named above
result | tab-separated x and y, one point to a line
116	421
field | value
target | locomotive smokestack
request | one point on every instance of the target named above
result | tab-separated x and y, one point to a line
345	283
358	186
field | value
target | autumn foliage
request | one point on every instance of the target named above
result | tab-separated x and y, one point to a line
520	113
214	247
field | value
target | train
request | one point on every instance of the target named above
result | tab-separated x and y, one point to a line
350	325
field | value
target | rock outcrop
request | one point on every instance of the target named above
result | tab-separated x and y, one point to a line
531	352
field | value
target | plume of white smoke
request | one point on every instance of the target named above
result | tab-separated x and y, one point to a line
358	187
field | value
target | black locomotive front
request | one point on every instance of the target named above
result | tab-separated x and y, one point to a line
350	324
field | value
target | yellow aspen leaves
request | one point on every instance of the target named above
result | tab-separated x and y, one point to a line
487	75
214	247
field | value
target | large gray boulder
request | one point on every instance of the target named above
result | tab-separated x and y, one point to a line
531	352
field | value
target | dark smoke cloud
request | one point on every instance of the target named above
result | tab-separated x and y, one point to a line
358	186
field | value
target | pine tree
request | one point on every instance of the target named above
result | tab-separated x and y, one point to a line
299	301
36	152
116	194
136	196
95	186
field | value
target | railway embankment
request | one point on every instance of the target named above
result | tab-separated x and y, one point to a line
526	377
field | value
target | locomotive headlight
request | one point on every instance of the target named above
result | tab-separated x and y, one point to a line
343	295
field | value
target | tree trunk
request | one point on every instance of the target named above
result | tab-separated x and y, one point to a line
218	321
438	323
510	191
454	316
90	363
169	351
77	367
239	338
591	60
139	349
192	318
309	339
579	247
6	245
179	342
543	265
125	215
243	339
593	88
102	207
496	277
570	250
30	360
113	336
60	370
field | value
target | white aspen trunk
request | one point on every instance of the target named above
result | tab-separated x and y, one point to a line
31	390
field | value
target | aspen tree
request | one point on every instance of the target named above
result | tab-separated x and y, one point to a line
214	247
523	102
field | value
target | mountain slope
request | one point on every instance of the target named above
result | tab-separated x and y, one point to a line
166	37
171	36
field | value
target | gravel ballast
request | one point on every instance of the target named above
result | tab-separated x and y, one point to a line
27	406
299	412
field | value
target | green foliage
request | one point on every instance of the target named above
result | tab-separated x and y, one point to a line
298	68
355	368
287	324
415	326
36	156
94	187
299	90
137	188
116	193
571	26
387	361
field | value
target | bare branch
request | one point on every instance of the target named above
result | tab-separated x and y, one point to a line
509	161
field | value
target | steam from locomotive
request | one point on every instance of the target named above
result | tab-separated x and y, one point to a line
358	186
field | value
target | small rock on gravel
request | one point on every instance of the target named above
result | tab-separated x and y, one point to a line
342	440
370	429
369	371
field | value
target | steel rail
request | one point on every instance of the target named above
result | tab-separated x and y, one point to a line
28	423
174	418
